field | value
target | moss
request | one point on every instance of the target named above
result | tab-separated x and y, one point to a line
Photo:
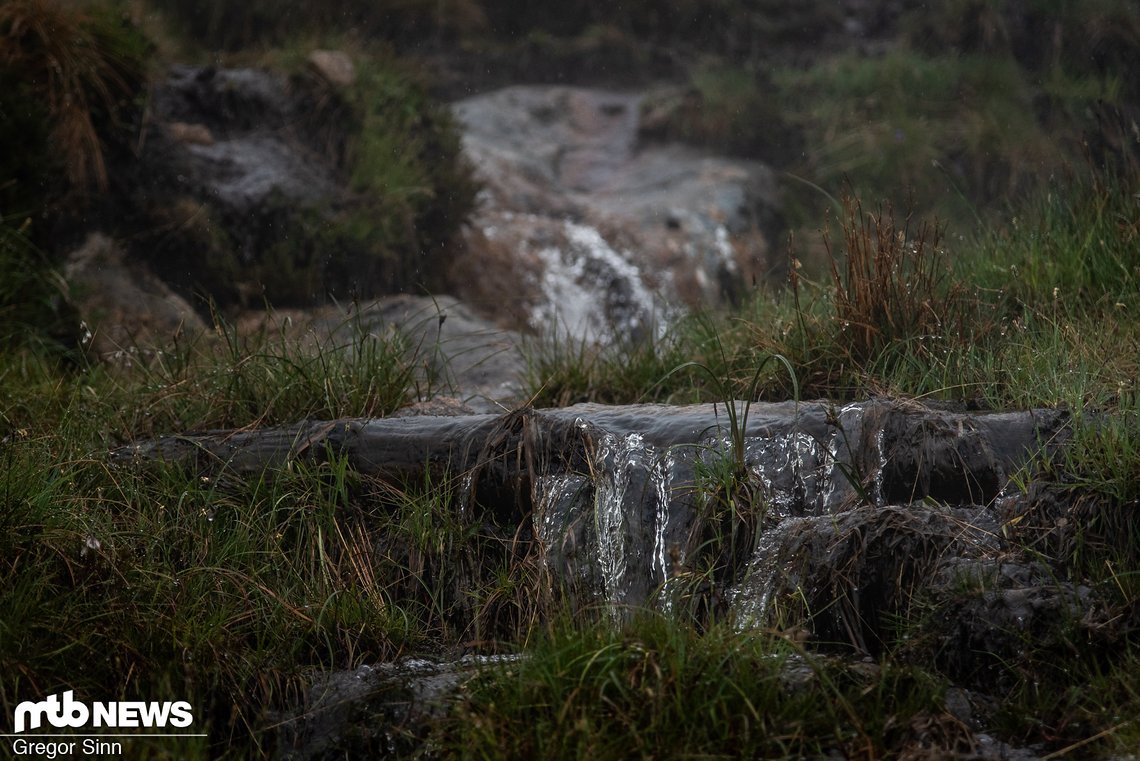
411	191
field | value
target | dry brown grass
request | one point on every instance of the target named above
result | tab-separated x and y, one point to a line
84	67
893	283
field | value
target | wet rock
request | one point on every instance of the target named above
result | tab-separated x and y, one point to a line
626	503
231	183
334	66
233	142
461	354
616	230
999	604
125	307
374	711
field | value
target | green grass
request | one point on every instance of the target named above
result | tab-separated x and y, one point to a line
141	583
654	687
948	134
147	582
159	582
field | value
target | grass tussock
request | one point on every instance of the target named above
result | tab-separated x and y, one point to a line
614	694
86	66
894	282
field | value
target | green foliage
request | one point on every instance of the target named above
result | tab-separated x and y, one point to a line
596	692
1088	39
561	370
1073	247
412	191
179	585
407	157
730	28
951	133
34	310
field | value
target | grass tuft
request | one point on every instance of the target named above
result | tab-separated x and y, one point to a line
86	66
893	287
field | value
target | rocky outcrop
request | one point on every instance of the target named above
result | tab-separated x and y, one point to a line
236	139
612	235
125	308
863	503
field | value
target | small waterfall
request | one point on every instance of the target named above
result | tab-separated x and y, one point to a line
838	491
750	600
592	291
662	478
792	469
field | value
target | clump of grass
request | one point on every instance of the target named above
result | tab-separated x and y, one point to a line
655	685
561	370
894	282
1072	248
406	155
34	307
233	380
86	66
221	593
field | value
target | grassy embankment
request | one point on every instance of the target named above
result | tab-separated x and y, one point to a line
153	582
157	583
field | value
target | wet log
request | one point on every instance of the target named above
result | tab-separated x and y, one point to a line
891	451
648	504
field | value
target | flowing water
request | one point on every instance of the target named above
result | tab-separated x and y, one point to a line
641	505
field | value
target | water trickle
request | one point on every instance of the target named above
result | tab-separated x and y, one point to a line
464	496
752	597
592	290
791	469
880	464
617	461
837	489
661	475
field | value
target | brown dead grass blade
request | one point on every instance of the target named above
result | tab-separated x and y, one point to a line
83	67
894	284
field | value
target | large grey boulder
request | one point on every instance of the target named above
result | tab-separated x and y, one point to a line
124	306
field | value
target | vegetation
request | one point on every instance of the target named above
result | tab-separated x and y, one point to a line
409	191
73	121
229	593
603	693
125	580
74	75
